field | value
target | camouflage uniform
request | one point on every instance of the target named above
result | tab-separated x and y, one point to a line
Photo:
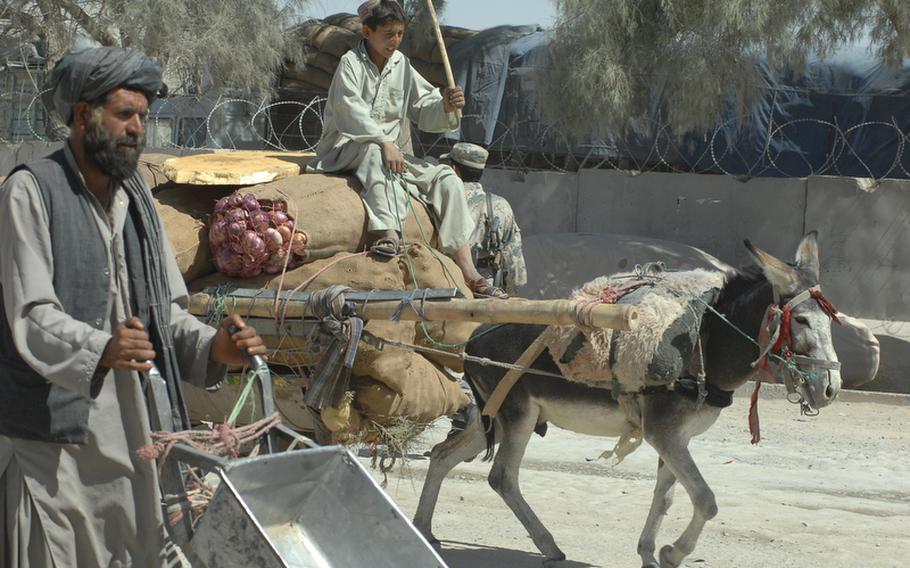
496	240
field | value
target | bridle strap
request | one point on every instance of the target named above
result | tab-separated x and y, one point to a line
776	328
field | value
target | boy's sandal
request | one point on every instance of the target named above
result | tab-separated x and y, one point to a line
483	288
388	247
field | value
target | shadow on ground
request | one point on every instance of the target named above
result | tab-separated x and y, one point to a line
468	555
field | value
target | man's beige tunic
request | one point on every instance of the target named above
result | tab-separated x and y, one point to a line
97	504
366	108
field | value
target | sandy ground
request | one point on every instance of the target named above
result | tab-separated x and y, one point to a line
830	491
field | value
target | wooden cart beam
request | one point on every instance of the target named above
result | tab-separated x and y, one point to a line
543	312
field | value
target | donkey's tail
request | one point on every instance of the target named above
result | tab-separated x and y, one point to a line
488	423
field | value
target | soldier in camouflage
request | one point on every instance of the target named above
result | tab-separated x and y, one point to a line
496	240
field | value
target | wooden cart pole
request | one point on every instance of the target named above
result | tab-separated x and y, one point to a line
450	78
544	312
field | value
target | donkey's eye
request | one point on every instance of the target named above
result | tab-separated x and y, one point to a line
802	320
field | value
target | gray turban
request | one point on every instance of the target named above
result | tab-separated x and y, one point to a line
92	73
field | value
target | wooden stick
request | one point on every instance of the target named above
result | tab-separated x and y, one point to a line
443	51
543	312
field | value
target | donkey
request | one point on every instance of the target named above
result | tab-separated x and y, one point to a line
670	417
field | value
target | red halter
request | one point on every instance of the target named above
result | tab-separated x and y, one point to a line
777	327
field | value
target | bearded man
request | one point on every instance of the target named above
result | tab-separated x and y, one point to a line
91	295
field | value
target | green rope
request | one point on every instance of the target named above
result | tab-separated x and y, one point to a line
390	179
218	303
251	377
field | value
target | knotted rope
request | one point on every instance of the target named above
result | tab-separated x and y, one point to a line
339	320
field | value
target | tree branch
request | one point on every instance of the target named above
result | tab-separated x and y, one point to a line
98	32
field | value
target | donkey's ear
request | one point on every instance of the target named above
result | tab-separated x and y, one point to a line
783	277
807	256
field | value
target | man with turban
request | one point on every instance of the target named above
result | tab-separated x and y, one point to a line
91	294
374	94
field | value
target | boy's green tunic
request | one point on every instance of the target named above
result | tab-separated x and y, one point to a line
367	107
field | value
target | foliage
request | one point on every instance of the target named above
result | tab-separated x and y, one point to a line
201	43
610	59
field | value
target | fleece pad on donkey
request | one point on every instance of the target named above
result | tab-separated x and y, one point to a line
659	350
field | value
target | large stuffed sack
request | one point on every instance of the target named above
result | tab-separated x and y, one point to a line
411	387
427	268
659	350
150	168
331	212
184	211
356	271
353	270
394	369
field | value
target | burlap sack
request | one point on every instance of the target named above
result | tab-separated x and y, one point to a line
312	73
343	420
448	336
329	209
322	61
419	390
350	22
402	331
428	268
184	211
328	38
149	167
357	271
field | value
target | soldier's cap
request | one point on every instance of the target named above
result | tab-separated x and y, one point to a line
466	154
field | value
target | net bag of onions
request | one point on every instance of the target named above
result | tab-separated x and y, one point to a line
249	237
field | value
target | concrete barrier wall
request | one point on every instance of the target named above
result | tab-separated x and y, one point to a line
864	236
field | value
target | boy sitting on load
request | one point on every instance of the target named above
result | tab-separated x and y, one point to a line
374	92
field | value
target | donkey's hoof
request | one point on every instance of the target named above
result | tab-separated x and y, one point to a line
665	560
653	564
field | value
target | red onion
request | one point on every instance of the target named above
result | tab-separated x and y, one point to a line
273	239
279	218
250	268
259	220
217	232
228	262
250	203
298	243
285	233
236	230
221	205
254	245
237	215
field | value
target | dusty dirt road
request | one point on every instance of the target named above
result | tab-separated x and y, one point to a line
829	492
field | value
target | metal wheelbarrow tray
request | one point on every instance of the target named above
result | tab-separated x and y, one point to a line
306	508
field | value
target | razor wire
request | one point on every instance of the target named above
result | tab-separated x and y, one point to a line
216	121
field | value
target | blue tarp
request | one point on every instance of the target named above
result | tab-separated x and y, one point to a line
846	115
